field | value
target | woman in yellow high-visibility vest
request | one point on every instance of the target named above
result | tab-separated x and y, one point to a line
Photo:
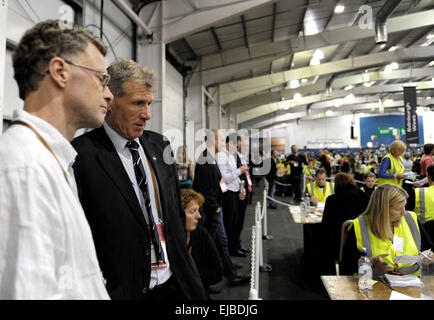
386	230
391	168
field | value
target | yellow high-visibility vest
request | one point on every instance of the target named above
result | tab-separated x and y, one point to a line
396	167
424	203
329	189
408	230
363	188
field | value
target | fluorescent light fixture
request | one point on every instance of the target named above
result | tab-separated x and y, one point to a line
349	87
428	98
339	8
294	83
388	102
297	96
349	98
430	36
305	80
310	28
368	84
431	63
393	48
328	113
318	54
392	66
314	62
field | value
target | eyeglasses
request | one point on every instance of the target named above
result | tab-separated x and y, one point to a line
104	77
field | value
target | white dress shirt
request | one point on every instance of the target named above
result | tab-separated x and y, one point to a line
228	168
158	275
46	245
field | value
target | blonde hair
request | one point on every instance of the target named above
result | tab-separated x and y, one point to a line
382	199
397	147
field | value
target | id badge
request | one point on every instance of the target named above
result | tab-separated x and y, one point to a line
223	185
398	244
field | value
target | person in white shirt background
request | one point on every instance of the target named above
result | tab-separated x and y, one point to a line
227	164
46	246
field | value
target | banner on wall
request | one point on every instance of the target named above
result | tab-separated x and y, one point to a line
411	123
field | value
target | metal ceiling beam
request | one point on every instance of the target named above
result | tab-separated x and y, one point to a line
216	38
273	30
214	71
320	86
243	88
290	104
180	20
283	116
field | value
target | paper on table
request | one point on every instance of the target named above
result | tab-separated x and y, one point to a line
295	209
399	296
320	206
403	281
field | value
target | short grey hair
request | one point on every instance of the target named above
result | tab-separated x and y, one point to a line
124	71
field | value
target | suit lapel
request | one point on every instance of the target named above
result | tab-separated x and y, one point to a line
110	161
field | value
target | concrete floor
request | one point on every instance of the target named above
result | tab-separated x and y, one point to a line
284	253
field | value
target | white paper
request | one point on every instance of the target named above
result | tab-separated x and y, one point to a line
406	259
398	243
399	296
320	206
403	281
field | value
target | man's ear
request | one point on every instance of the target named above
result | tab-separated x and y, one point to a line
111	104
59	71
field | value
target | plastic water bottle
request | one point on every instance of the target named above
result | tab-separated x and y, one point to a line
307	200
365	272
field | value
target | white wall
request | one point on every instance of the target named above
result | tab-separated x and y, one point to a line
3	17
173	119
321	133
428	127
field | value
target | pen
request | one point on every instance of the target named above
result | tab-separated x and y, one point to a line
386	283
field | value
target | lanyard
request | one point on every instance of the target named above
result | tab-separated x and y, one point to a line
157	200
44	143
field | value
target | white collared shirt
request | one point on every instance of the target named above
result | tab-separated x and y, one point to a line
228	168
46	245
158	276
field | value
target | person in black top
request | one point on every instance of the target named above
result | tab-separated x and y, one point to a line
271	177
296	161
208	181
242	147
348	202
199	242
325	162
369	186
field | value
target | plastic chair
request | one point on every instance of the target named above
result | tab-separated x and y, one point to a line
344	232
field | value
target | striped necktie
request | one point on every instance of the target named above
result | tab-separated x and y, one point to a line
139	171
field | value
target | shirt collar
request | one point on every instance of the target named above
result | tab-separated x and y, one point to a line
118	141
61	147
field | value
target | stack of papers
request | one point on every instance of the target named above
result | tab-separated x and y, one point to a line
403	281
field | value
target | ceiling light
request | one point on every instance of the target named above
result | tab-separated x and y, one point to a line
393	48
349	87
430	36
310	28
318	54
428	98
392	66
388	102
339	8
314	62
305	80
368	84
297	96
431	63
328	113
349	98
294	83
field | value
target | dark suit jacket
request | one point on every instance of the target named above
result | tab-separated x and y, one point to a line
118	226
207	178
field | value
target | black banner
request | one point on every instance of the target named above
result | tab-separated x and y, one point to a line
411	123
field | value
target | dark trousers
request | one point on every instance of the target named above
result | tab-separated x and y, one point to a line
230	216
170	290
296	184
239	221
214	225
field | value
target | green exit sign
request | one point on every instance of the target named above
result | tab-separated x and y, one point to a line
390	131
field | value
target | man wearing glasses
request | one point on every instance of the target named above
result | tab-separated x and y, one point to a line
131	197
46	245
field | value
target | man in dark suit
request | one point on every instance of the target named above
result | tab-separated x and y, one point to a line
271	177
129	190
209	182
